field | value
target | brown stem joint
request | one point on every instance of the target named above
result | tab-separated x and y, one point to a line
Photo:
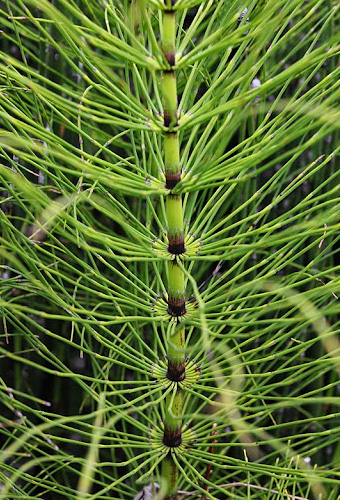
172	180
172	438
176	308
176	372
171	59
176	246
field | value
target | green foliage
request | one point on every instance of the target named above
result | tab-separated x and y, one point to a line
83	248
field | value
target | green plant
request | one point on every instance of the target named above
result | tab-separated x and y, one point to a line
170	219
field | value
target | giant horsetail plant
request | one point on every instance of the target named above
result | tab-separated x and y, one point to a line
169	250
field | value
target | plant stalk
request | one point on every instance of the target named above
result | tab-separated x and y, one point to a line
172	436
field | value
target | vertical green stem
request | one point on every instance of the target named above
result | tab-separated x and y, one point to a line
172	436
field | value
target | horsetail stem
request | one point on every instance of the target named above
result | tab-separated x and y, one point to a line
172	436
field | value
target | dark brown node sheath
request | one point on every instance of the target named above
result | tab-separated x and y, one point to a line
176	245
176	372
167	119
172	167
172	438
172	180
171	58
176	307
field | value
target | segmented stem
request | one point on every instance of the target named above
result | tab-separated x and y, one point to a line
175	233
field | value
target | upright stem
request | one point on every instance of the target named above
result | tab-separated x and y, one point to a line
172	436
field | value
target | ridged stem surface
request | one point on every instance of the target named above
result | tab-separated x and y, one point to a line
176	282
